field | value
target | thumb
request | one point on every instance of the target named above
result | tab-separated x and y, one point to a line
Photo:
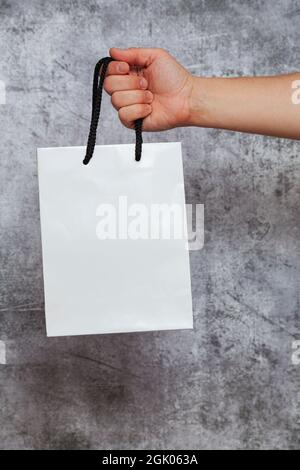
142	57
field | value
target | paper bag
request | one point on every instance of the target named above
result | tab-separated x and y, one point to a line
115	256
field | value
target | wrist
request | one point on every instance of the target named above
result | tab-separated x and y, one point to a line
200	108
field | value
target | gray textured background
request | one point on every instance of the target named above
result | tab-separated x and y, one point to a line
230	383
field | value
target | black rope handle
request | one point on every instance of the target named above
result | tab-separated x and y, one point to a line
99	76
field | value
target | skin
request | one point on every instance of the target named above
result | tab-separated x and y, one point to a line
151	84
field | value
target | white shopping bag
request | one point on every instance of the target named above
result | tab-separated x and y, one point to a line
115	252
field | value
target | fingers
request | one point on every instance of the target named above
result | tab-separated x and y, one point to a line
129	92
136	55
114	83
129	114
120	99
117	68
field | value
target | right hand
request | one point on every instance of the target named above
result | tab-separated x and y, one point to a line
160	93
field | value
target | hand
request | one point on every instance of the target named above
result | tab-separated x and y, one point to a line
159	92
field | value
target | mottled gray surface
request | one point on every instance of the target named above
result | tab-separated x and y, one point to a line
230	383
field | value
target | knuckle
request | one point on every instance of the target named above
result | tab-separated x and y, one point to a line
142	109
122	114
125	122
107	85
110	68
114	99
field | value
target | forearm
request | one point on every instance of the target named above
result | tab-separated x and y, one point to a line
261	105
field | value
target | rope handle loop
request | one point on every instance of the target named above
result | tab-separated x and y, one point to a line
99	76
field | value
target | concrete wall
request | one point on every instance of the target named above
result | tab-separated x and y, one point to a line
231	382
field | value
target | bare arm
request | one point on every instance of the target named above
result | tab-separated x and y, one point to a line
260	105
166	95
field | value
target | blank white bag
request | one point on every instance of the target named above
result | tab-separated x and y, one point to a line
95	285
